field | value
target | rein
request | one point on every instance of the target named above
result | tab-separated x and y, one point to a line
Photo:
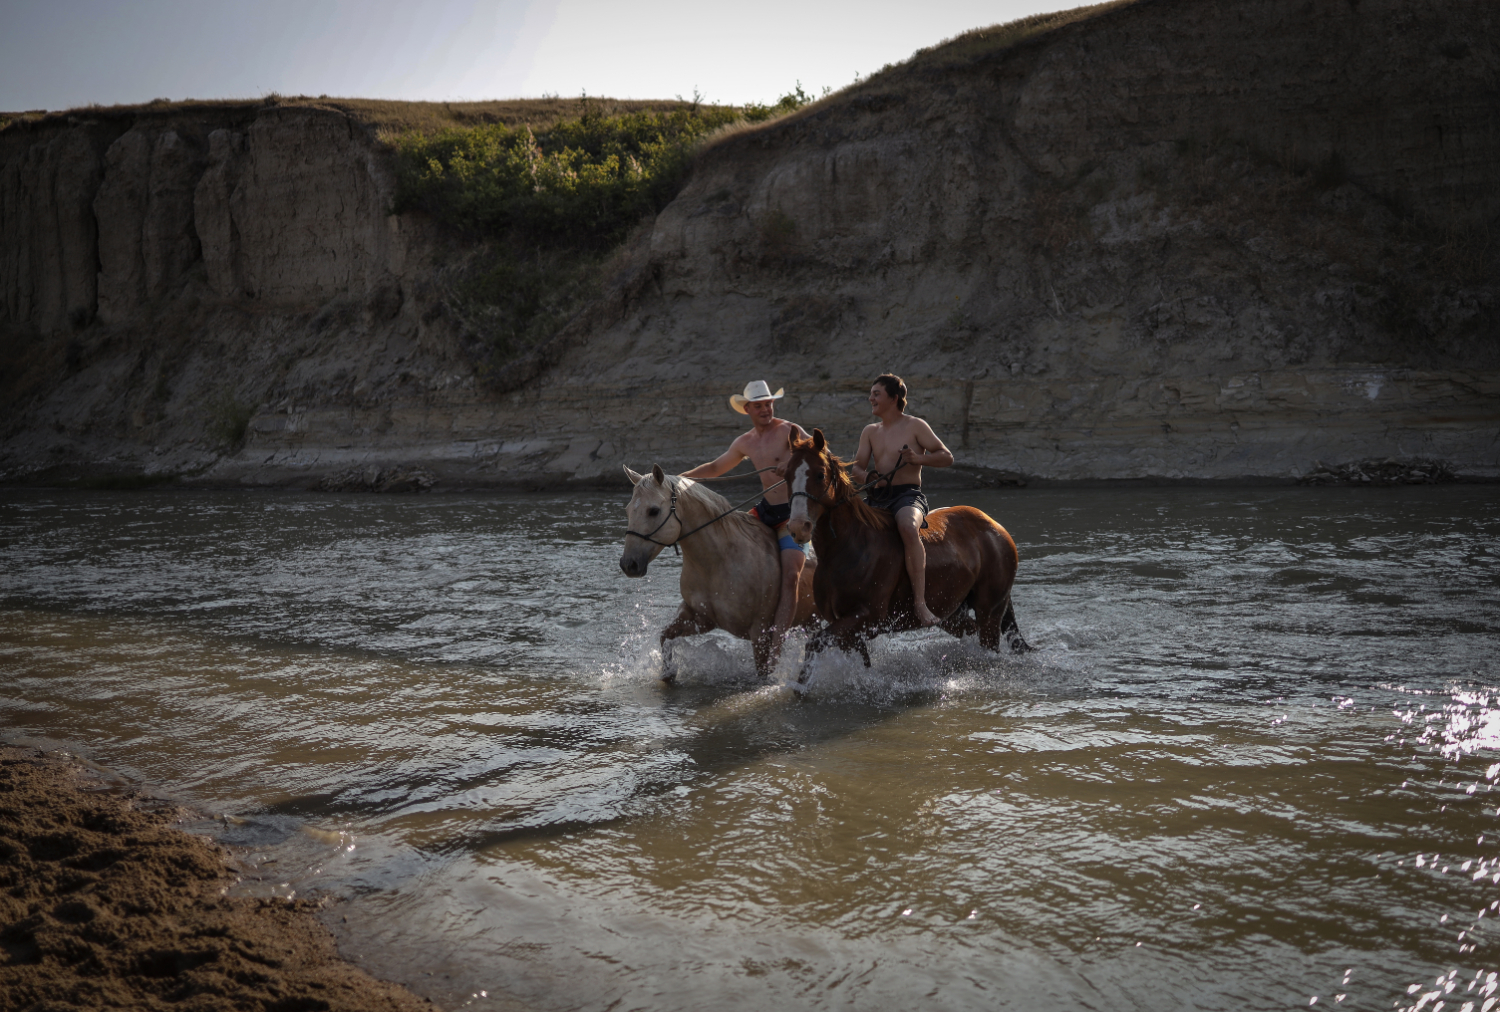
687	534
732	477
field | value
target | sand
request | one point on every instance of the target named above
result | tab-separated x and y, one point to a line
105	905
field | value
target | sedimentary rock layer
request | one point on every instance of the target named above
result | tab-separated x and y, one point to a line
1179	239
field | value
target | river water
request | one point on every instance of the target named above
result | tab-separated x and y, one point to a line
1251	763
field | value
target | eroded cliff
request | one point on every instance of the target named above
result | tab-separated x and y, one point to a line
1177	239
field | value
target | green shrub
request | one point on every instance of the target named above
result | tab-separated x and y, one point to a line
583	183
790	102
550	204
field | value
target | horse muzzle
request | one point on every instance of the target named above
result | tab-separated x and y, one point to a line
800	528
633	566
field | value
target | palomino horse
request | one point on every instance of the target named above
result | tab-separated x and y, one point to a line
862	588
731	568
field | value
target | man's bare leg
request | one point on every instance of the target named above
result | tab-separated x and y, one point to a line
792	561
908	520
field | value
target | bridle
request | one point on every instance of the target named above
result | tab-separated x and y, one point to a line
670	514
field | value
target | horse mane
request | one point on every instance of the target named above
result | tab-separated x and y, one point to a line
841	489
687	488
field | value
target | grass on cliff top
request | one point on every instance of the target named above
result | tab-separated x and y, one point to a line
389	118
996	38
393	120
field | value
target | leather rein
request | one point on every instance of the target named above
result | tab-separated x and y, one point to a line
672	513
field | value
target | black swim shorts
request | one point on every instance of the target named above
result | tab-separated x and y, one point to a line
897	497
776	517
773	516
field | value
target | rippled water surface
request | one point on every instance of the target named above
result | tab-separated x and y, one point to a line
1249	765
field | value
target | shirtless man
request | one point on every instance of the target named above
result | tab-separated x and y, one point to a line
768	444
904	443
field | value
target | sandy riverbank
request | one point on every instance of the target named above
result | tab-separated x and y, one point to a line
104	904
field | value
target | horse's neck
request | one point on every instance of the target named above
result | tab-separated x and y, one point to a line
837	527
709	546
694	513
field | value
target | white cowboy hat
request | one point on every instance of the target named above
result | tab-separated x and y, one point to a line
755	390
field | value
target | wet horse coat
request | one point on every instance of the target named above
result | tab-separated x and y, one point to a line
731	568
862	588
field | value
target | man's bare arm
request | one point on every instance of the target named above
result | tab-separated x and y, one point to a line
859	468
933	452
721	464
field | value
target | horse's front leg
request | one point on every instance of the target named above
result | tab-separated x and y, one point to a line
687	623
846	633
816	644
766	653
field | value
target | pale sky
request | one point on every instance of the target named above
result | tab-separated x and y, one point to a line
55	54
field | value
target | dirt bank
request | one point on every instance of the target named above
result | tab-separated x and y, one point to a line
103	904
1178	240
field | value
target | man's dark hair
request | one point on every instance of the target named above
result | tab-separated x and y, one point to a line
895	387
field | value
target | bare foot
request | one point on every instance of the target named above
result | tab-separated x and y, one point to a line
925	617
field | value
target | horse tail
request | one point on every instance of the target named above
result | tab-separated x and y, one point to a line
1011	631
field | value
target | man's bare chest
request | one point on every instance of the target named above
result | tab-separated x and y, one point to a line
885	443
769	450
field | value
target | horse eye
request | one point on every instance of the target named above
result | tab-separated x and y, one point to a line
653	511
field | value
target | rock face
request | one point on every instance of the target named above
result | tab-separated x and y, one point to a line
47	275
1177	240
295	209
166	275
144	212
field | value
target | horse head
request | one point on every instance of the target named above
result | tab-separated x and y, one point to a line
817	480
652	520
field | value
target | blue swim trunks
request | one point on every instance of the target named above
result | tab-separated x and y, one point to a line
776	517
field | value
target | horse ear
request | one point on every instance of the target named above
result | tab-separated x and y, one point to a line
656	472
635	479
818	441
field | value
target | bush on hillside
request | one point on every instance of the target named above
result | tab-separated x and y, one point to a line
790	102
582	184
551	203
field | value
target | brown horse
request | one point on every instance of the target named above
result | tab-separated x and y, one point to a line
861	586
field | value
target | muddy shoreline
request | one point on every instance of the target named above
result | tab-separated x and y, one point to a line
104	903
